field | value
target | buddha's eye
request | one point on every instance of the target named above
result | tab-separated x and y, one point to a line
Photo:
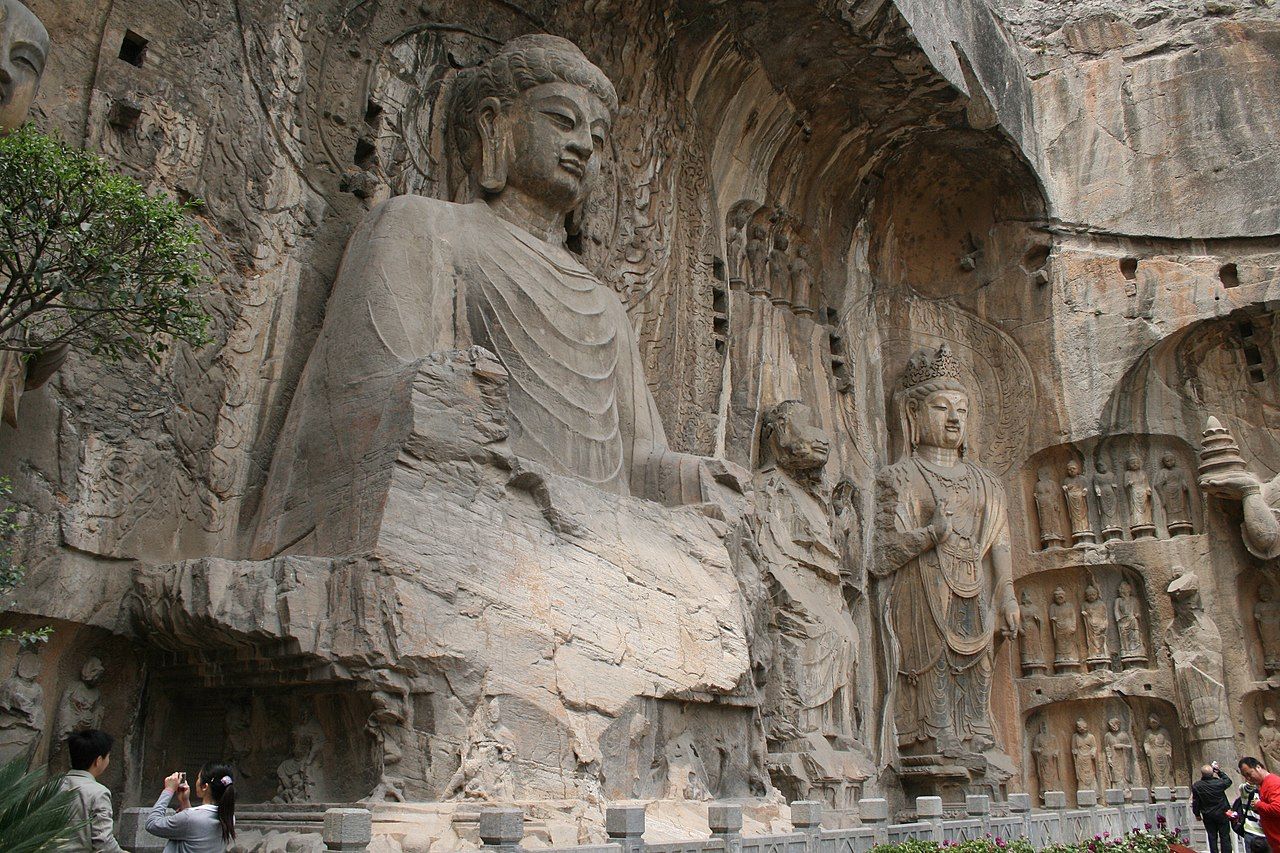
560	120
26	61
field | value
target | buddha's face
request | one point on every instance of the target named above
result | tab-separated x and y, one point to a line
1113	724
1059	595
1101	467
24	46
1125	590
1073	469
1168	461
1133	463
1082	727
556	131
1091	593
1153	722
943	419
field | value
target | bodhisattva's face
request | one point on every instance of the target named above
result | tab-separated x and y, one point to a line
1153	722
24	46
944	419
557	131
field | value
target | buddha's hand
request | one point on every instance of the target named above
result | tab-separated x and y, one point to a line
1012	616
941	523
1232	485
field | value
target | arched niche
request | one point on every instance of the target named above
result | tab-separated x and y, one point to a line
1258	594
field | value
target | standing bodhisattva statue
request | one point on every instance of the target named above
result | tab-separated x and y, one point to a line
943	544
422	276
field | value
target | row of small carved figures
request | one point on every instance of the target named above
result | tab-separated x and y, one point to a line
1068	619
764	267
1102	495
1116	764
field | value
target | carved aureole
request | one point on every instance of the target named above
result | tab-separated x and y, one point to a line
943	540
1064	625
1174	490
1137	486
1084	756
1031	642
1157	746
1107	491
1048	499
1076	490
1133	651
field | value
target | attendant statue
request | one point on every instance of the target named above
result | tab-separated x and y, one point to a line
942	535
21	710
81	705
1108	493
295	776
1158	747
1118	745
1097	652
1076	489
1048	499
1266	615
1044	754
1269	739
1133	651
1175	496
758	260
1064	625
1031	641
736	242
1084	755
485	769
1141	499
423	276
779	271
802	282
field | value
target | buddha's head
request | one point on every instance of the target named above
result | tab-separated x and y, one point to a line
1081	726
1113	724
1133	463
1059	595
933	402
532	120
24	46
1025	599
1101	467
1153	722
788	437
780	241
1091	593
1073	468
1125	590
92	671
1168	461
1269	716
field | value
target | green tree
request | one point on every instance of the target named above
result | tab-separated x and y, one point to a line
88	259
34	812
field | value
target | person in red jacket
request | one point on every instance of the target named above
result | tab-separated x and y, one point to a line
1267	805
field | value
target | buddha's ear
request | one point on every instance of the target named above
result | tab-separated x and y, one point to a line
493	132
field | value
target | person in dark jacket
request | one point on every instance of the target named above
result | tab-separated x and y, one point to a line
1209	804
1247	824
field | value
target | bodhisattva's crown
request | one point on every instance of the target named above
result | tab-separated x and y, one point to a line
926	365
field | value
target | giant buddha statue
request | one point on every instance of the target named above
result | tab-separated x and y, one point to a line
423	276
943	547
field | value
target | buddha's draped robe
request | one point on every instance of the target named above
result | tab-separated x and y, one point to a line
422	276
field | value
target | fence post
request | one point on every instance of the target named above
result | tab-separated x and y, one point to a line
347	829
874	813
131	834
1159	808
725	822
929	810
1182	808
1020	806
501	829
979	806
806	817
1056	802
625	827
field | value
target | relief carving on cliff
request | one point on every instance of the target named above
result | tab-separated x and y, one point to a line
1224	474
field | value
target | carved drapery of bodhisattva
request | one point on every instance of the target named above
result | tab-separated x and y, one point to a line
1174	490
1157	746
1195	645
1093	613
1044	755
24	44
423	276
1118	745
485	768
1133	651
81	705
1137	486
21	709
1048	498
779	271
1223	474
758	247
802	282
1269	739
1031	642
1266	616
1064	625
1084	757
1076	489
943	545
1107	490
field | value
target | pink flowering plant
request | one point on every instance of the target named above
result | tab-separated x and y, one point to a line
1149	839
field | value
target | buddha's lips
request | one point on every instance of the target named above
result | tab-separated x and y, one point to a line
574	167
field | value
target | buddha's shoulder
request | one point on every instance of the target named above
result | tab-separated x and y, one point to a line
417	216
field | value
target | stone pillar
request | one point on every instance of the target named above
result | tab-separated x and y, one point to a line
347	829
874	813
979	806
1086	799
929	810
1159	808
725	822
1020	807
1056	802
806	817
1139	795
501	829
625	827
132	836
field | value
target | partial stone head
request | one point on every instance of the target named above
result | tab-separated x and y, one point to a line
1091	593
1102	467
1124	590
1153	722
533	120
1059	595
933	401
1073	468
28	665
1133	462
1168	460
789	438
92	671
1269	716
1025	598
1081	726
24	47
1114	724
492	711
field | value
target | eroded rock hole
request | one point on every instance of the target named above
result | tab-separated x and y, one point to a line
1129	268
1229	274
133	48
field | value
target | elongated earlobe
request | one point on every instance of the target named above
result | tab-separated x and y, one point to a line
493	159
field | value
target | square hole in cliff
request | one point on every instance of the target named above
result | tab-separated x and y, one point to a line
133	48
1229	275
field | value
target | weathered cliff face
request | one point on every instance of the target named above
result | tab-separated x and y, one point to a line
795	197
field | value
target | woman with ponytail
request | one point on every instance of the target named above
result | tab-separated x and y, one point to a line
206	828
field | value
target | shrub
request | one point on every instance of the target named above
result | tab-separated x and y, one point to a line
34	816
88	259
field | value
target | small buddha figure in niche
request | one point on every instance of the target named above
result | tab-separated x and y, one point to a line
943	538
1269	739
1084	754
422	276
1158	747
1031	641
1107	491
1118	745
1044	755
1076	489
1174	490
1064	625
779	271
802	282
736	241
1133	652
1048	500
1141	501
758	260
1266	615
1097	652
